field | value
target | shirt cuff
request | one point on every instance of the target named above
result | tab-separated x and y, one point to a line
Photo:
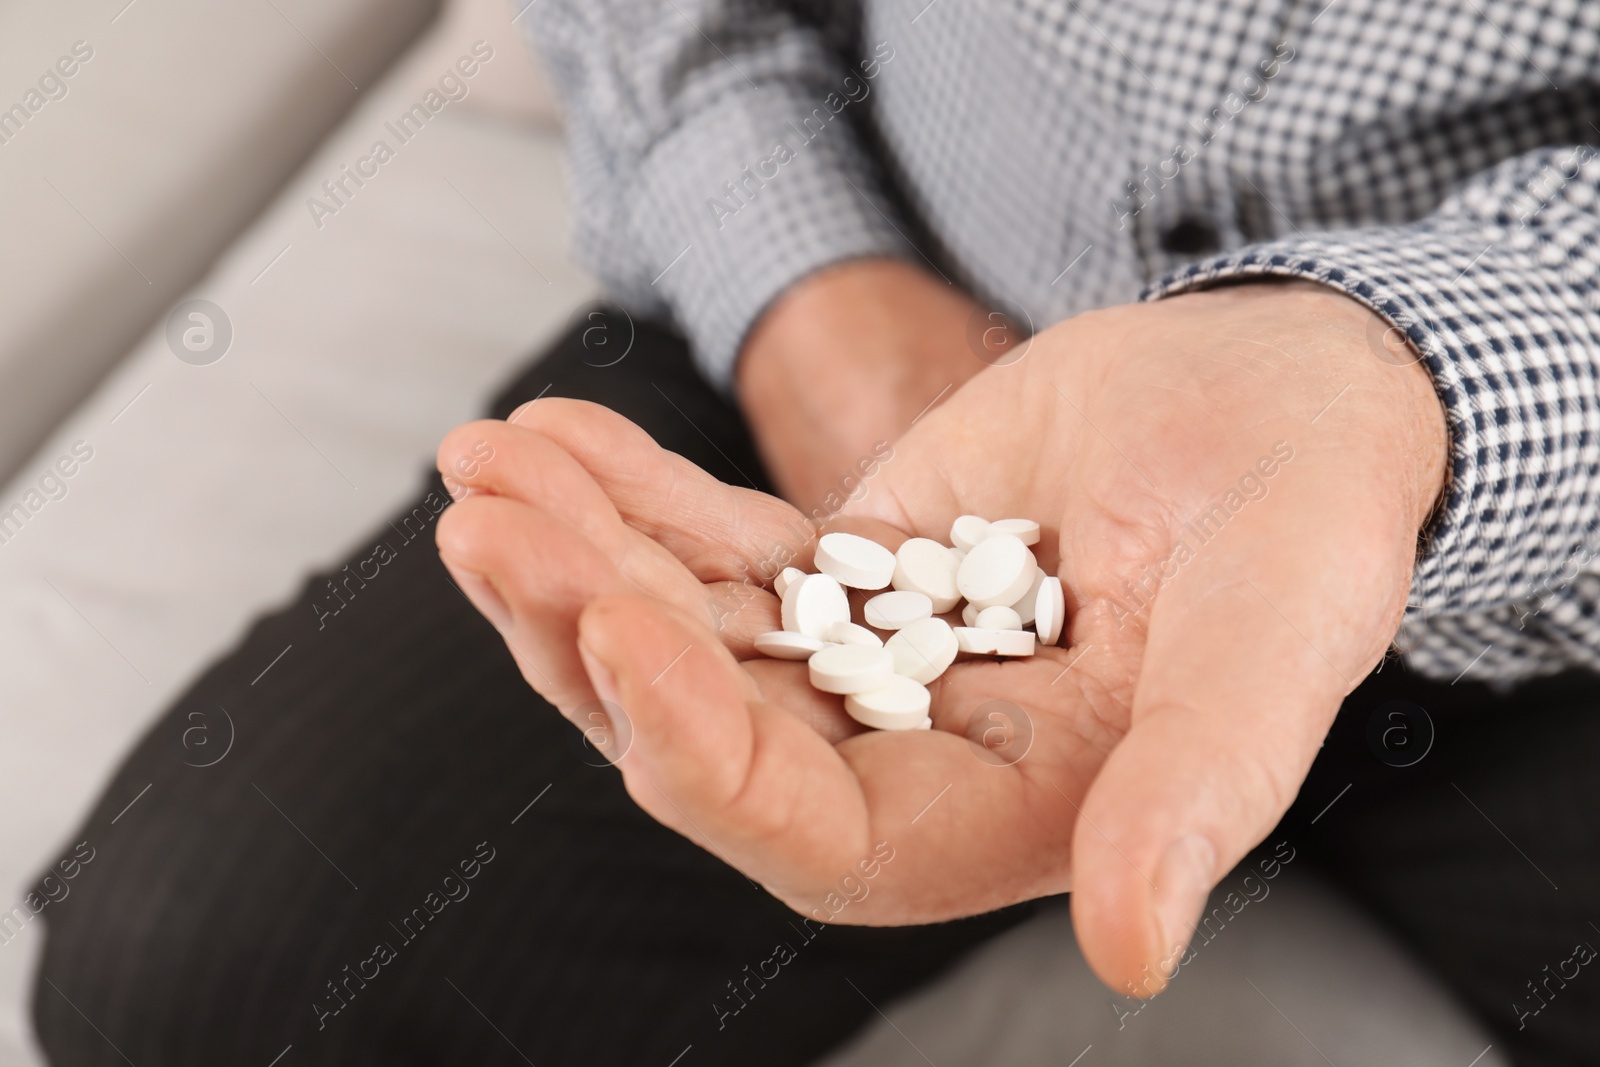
1511	346
751	194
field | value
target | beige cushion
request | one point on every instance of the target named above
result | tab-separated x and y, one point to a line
178	122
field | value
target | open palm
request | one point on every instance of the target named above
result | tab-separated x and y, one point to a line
1236	554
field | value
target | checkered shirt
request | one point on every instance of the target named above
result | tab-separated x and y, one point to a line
1430	158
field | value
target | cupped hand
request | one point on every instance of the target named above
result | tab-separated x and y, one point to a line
1231	485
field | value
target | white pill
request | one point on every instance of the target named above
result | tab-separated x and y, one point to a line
785	576
1050	610
893	611
900	705
987	642
850	669
958	554
969	614
849	633
922	565
997	571
998	617
924	650
925	724
781	644
967	531
1024	606
1024	530
812	603
855	561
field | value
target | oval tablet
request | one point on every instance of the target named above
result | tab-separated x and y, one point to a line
900	705
849	633
1025	603
781	644
892	611
785	576
855	561
998	617
968	530
812	603
924	650
847	669
1050	610
986	642
923	565
1024	530
969	614
996	571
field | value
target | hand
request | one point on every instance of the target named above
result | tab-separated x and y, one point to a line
1209	649
844	361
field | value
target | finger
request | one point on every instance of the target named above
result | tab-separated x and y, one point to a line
721	532
1250	648
508	461
531	575
706	757
763	791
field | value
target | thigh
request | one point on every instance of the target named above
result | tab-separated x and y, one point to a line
362	838
1469	821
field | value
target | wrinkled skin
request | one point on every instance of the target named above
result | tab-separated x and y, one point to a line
1136	764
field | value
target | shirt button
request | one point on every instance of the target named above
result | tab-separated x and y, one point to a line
1190	237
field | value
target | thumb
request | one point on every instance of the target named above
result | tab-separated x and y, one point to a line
1250	649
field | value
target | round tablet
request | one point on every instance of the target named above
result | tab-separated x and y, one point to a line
1024	530
1050	610
812	603
923	565
925	724
998	617
892	611
849	633
785	576
969	614
996	571
850	669
924	650
987	642
1025	603
855	561
781	644
967	531
900	705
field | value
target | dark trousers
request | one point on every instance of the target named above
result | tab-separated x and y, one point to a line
365	840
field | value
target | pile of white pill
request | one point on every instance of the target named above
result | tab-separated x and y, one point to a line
988	572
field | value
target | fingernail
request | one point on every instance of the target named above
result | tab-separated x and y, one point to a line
484	597
600	676
1183	882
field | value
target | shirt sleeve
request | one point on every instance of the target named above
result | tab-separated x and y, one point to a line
714	153
1498	291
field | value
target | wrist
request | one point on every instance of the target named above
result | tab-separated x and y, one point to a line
845	360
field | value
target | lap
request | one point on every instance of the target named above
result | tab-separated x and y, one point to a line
406	857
